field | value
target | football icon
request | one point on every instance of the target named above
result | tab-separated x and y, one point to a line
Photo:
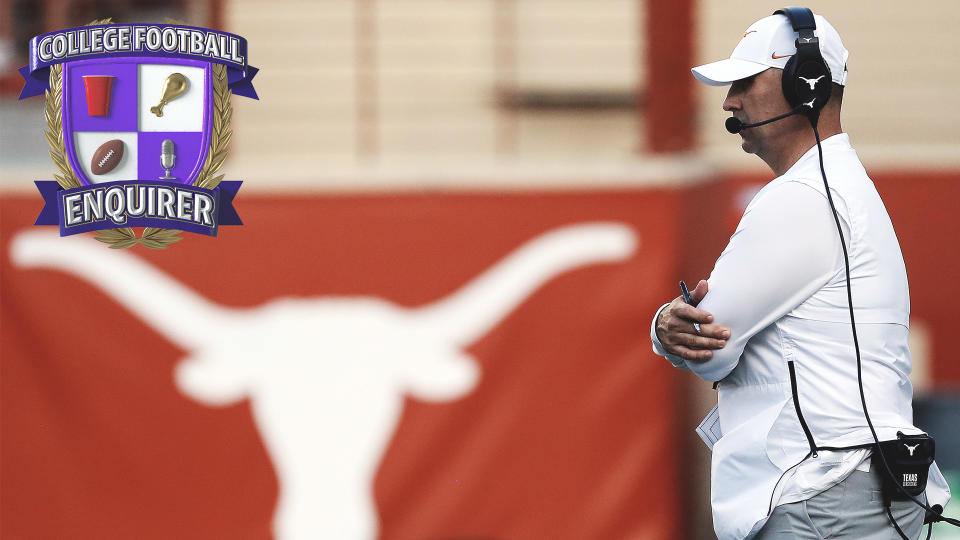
107	157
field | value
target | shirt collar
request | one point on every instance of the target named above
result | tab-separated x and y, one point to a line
840	141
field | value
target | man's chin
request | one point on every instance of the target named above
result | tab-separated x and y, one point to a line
749	141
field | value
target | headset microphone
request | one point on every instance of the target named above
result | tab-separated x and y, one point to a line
734	125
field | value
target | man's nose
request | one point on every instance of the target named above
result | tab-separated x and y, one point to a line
732	102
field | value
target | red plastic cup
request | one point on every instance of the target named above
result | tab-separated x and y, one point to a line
98	94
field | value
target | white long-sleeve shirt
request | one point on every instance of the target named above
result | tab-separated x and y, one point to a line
780	287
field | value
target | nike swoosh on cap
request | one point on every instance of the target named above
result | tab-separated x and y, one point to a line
776	56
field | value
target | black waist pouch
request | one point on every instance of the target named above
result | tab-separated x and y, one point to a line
909	458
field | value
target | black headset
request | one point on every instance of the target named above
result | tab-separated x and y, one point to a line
806	78
807	84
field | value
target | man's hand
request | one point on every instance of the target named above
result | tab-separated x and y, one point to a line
678	336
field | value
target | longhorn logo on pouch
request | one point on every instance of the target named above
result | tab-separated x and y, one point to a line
138	123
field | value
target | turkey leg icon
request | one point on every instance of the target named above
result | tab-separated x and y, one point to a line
326	369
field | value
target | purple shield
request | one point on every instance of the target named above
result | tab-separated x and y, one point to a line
170	146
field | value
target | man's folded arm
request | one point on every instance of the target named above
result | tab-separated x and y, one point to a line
784	250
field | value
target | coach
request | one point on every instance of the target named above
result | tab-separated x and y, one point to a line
774	324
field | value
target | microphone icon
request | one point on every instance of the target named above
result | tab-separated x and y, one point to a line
167	159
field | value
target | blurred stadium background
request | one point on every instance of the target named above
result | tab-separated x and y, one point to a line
399	149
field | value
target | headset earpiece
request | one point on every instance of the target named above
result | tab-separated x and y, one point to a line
806	78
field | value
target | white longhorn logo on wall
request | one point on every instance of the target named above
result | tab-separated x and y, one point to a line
326	369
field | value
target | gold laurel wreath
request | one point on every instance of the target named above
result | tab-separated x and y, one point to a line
220	137
152	237
54	133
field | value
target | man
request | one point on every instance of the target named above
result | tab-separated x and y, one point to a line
774	326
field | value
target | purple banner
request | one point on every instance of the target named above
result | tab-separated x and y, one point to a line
138	40
138	203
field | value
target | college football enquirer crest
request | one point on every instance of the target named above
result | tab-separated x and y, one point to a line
138	123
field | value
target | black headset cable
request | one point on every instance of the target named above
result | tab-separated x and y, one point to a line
856	345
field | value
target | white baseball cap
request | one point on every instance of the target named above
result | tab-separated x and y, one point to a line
770	42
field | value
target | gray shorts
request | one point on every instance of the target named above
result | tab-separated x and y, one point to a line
851	509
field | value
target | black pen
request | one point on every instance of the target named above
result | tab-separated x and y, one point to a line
686	298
